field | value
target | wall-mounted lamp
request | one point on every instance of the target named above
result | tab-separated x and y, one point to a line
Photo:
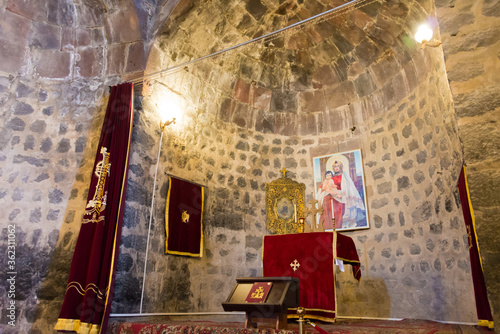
424	36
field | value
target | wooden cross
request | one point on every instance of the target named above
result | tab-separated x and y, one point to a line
284	171
295	265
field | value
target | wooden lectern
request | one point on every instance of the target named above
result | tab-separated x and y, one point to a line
264	297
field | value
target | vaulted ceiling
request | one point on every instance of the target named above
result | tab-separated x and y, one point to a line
336	53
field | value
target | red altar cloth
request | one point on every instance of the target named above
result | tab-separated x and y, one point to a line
310	257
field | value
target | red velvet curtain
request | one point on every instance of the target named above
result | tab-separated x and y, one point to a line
482	304
89	292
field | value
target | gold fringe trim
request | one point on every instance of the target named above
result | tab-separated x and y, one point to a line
486	323
77	326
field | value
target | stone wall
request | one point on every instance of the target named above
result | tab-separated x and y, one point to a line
334	87
57	60
273	105
414	256
470	31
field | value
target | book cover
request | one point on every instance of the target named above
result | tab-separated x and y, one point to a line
258	293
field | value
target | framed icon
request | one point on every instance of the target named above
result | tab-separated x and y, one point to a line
340	191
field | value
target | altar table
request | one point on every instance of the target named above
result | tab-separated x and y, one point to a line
310	257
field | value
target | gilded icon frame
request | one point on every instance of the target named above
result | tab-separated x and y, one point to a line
281	194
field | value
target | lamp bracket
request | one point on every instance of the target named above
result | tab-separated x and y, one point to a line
163	125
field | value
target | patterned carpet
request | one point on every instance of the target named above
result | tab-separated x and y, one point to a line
407	326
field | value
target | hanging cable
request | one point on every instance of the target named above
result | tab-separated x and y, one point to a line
339	10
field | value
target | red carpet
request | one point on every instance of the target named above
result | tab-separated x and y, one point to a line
343	326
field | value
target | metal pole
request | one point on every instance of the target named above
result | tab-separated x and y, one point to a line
150	220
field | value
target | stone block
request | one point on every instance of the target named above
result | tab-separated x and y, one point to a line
97	36
491	8
23	90
484	186
45	36
410	75
324	76
450	24
465	71
14	27
305	125
478	101
22	108
122	26
68	39
62	13
16	124
135	58
10	54
339	95
471	41
260	98
241	91
256	9
284	101
53	64
32	9
312	101
83	37
483	141
364	84
265	124
90	63
298	41
154	63
115	59
284	122
226	110
91	16
334	120
367	52
243	116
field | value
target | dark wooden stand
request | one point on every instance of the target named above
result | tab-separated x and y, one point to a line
284	294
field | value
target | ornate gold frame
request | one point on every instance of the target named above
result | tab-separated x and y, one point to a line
285	190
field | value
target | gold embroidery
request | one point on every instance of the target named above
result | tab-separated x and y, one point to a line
469	234
185	217
91	286
96	205
295	265
259	293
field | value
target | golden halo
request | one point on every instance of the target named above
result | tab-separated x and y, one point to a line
337	157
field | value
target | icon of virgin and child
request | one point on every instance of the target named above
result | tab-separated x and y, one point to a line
338	196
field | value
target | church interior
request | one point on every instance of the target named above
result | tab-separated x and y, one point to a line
261	90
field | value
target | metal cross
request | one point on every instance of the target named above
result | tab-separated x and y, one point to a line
284	171
295	265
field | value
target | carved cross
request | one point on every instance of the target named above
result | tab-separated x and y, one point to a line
295	265
312	210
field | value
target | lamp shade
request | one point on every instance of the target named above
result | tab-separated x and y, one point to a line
424	33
